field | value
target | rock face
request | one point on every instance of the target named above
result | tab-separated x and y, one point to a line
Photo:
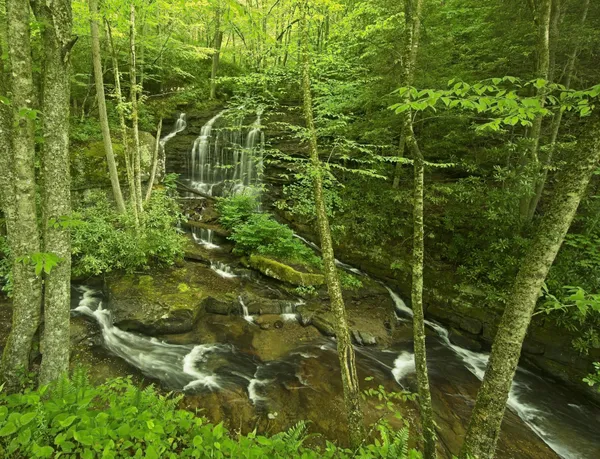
88	162
214	306
154	304
283	272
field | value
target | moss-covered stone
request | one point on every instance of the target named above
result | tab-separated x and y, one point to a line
161	304
283	272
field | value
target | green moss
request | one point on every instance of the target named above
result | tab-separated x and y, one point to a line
283	272
183	287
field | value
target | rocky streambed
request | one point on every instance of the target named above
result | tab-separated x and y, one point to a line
248	350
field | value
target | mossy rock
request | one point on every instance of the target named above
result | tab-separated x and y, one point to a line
162	304
283	272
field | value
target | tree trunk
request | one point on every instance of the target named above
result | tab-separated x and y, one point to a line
23	235
425	406
487	415
412	32
56	195
137	169
121	110
344	344
541	183
99	81
157	147
542	19
215	57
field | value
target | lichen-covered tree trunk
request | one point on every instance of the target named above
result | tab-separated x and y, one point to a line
23	235
486	419
157	147
137	169
425	406
556	121
215	57
542	16
122	124
346	355
56	194
412	32
99	83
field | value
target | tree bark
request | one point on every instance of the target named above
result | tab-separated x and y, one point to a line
572	181
412	33
56	195
137	169
542	16
121	110
157	147
556	121
215	56
99	82
425	406
23	235
346	355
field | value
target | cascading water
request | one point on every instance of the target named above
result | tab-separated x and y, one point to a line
245	313
180	125
204	237
529	397
222	269
224	160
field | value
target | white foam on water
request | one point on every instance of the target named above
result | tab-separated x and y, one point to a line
399	303
201	379
222	269
403	366
245	312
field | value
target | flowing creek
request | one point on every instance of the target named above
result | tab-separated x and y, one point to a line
565	421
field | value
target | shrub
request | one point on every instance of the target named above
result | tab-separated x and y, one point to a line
107	240
236	210
74	419
256	232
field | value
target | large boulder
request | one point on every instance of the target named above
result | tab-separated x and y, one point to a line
283	272
160	304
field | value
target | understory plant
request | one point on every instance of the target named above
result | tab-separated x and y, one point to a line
74	419
106	240
256	232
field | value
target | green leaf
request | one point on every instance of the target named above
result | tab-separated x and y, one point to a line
27	418
9	429
67	422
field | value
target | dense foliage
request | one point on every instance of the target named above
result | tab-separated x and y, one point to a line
74	419
257	232
106	241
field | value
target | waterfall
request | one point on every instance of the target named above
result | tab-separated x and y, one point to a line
245	311
223	160
180	125
204	237
222	269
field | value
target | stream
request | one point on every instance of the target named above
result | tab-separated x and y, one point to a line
564	420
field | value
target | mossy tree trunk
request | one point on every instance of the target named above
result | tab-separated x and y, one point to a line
57	41
23	232
346	355
542	13
425	406
157	147
99	83
215	57
571	183
556	121
122	124
137	169
412	32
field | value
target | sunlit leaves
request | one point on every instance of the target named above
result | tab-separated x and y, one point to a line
504	100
